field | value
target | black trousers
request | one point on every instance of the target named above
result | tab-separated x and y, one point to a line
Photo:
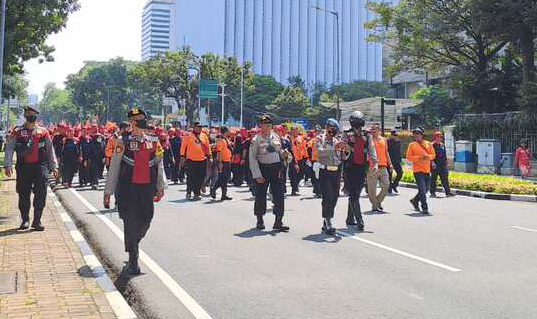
168	167
399	174
32	178
175	170
330	181
294	176
423	181
94	171
273	179
238	174
195	175
69	169
83	173
136	209
354	183
223	178
443	172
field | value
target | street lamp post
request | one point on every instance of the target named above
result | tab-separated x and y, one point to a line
2	45
242	93
223	95
336	15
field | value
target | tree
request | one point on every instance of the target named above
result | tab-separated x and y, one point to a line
441	37
57	105
28	25
437	107
359	89
290	103
262	91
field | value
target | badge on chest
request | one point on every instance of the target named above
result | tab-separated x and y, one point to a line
134	146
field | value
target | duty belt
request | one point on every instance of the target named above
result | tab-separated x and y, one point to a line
331	168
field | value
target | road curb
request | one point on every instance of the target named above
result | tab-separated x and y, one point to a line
119	305
485	195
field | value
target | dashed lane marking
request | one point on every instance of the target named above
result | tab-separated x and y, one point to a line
525	229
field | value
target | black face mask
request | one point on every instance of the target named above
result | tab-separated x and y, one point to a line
331	131
357	125
141	124
31	118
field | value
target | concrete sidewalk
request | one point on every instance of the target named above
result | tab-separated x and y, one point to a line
46	270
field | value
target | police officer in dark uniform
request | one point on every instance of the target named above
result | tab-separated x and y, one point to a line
96	156
84	151
362	156
137	169
35	160
69	157
266	156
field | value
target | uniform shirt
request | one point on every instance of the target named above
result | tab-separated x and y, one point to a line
394	148
36	134
110	146
326	152
196	149
264	150
360	143
222	148
414	153
382	151
112	177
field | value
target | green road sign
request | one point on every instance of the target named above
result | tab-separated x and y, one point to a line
208	89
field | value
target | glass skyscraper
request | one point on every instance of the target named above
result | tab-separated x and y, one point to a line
158	28
283	38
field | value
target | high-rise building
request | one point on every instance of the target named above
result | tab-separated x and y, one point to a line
284	38
158	28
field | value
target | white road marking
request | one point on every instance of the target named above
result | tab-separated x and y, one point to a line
399	252
526	229
77	236
65	217
195	309
121	309
57	204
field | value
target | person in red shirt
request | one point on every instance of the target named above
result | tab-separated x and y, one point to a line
35	160
523	158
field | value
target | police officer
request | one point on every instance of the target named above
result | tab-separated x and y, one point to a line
265	156
137	170
96	156
330	154
35	160
84	151
362	155
69	156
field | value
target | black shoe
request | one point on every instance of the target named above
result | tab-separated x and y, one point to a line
415	204
360	228
24	225
175	182
38	227
196	197
295	193
351	223
213	193
394	189
450	194
94	187
433	195
425	212
381	209
225	198
188	195
260	223
280	227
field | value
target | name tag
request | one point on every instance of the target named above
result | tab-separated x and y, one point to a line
24	133
134	146
149	145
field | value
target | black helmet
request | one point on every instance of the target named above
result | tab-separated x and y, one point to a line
357	120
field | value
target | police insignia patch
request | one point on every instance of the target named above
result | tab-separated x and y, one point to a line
160	151
119	148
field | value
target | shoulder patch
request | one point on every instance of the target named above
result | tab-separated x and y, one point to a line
119	148
159	151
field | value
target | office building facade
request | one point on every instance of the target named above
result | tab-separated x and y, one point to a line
158	28
284	38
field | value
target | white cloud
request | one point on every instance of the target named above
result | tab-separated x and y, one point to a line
100	30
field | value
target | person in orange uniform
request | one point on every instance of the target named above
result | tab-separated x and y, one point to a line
381	174
196	155
296	169
224	153
312	154
112	142
421	153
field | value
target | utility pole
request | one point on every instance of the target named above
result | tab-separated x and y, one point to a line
242	93
223	95
383	102
336	15
2	45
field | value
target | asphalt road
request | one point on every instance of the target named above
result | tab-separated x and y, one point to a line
465	261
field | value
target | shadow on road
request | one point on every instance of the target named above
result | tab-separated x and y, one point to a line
254	232
375	213
418	215
323	238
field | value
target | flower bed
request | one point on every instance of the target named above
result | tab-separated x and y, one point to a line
483	183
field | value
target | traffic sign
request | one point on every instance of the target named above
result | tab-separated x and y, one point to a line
208	89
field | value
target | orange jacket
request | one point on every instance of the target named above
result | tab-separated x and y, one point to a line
110	146
416	152
193	150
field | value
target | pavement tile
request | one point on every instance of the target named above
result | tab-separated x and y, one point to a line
48	262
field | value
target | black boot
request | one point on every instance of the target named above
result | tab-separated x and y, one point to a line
278	224
327	227
36	224
133	269
213	192
24	225
350	215
260	223
357	212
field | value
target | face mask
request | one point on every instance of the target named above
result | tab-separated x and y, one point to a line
331	132
141	123
357	125
31	118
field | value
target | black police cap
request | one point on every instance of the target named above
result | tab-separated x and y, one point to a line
265	118
419	130
136	111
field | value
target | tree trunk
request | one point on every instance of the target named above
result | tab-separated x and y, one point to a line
527	51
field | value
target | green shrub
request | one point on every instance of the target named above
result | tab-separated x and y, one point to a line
483	183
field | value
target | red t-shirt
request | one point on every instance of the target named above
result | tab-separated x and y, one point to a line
359	143
141	173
